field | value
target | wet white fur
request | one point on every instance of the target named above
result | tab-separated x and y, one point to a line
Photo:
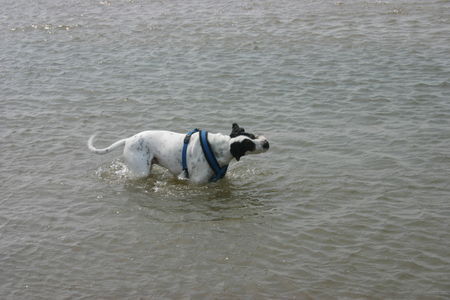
164	148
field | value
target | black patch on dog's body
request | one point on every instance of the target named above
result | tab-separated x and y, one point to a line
238	149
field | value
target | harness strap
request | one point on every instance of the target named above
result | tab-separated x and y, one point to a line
210	158
187	138
207	151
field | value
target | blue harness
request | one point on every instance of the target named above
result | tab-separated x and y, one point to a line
219	172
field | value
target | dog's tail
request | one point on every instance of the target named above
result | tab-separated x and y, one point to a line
104	150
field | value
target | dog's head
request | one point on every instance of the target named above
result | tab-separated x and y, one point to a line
243	143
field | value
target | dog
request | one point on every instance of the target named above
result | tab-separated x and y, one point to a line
184	155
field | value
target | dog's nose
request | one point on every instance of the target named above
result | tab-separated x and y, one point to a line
265	145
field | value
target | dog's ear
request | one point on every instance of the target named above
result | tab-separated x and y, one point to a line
238	149
236	130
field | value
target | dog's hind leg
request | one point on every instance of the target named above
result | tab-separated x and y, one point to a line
140	165
138	157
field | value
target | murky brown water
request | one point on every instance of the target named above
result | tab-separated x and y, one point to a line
351	201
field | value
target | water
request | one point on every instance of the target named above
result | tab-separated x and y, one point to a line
351	201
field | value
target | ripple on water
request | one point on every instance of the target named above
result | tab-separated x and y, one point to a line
351	201
168	199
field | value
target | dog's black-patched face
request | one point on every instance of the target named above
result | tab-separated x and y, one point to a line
243	143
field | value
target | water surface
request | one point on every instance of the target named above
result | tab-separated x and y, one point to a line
351	201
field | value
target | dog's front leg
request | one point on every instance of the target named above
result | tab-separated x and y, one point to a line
182	176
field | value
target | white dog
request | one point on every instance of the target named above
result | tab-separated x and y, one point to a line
199	156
